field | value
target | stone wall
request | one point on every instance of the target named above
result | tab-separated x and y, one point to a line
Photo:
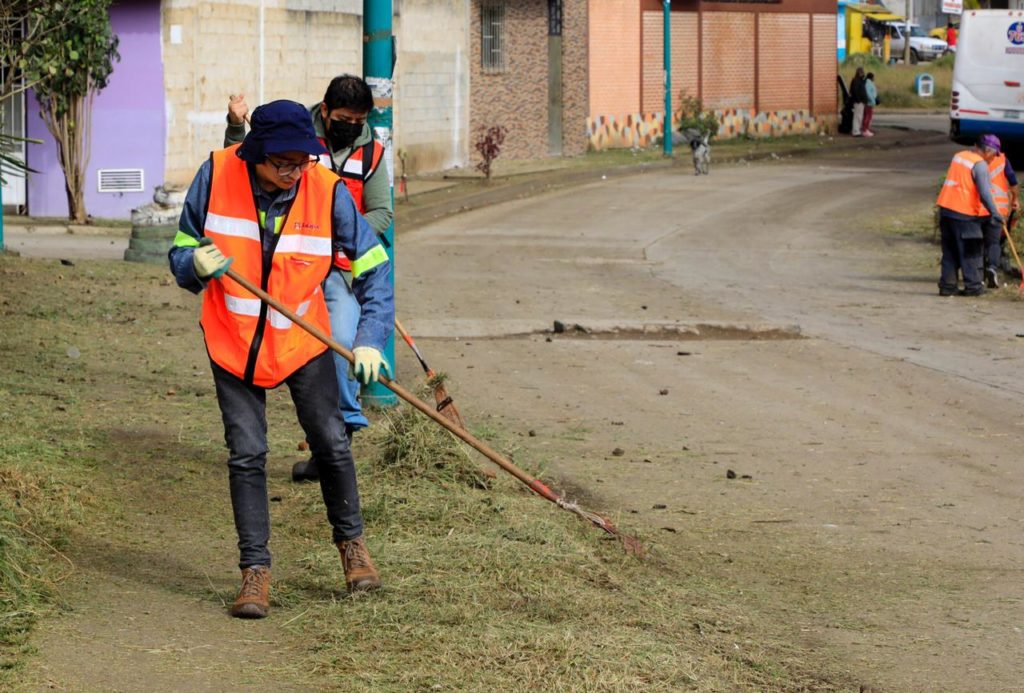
432	83
516	96
211	49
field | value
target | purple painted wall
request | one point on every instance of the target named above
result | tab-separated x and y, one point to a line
128	123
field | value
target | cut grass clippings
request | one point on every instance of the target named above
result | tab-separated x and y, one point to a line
109	424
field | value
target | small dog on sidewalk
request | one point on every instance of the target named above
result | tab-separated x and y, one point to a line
700	147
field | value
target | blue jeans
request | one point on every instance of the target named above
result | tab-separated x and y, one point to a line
243	408
344	312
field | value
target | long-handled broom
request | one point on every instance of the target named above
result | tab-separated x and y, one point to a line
445	405
630	543
1013	249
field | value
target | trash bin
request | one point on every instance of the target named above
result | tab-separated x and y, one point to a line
924	85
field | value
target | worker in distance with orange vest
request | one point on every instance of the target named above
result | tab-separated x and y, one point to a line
964	202
280	218
355	155
1005	191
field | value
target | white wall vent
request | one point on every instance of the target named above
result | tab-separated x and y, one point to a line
120	180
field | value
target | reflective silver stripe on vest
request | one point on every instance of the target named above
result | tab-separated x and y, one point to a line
354	167
242	306
233	226
250	307
308	245
280	322
966	163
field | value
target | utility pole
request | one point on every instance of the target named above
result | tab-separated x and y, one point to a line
667	138
906	36
379	70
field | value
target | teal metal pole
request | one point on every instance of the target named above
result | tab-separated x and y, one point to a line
378	70
667	139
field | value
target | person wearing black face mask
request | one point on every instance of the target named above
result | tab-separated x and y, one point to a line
340	122
343	134
355	155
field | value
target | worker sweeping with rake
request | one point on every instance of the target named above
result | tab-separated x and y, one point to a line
265	208
339	121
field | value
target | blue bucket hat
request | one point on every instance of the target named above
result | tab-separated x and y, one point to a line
277	127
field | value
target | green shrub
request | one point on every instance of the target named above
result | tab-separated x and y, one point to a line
693	115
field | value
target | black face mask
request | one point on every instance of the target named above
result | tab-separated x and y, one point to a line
343	134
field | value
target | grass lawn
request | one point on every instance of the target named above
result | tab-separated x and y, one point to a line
109	428
896	82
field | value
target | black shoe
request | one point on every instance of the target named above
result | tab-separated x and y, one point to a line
991	278
973	292
947	292
306	470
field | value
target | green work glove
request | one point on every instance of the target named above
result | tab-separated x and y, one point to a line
209	261
368	365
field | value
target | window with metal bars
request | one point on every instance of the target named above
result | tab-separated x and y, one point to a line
554	17
492	36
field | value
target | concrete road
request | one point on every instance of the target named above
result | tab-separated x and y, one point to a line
881	526
926	122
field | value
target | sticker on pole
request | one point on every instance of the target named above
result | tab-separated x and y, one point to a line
952	6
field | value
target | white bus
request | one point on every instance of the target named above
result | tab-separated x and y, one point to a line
988	77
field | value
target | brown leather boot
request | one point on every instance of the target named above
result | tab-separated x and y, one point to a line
254	598
360	573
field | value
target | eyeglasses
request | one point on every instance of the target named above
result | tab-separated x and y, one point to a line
285	170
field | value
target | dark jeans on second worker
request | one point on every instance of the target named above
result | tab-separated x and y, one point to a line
314	390
961	250
993	246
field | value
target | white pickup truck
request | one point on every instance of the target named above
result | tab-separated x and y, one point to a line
922	46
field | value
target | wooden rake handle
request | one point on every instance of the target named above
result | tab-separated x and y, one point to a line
481	447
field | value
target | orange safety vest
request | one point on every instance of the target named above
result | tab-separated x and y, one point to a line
959	194
243	335
1000	184
356	171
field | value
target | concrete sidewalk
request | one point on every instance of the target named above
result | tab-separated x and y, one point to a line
54	238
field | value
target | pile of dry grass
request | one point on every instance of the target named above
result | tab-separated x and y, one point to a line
413	446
